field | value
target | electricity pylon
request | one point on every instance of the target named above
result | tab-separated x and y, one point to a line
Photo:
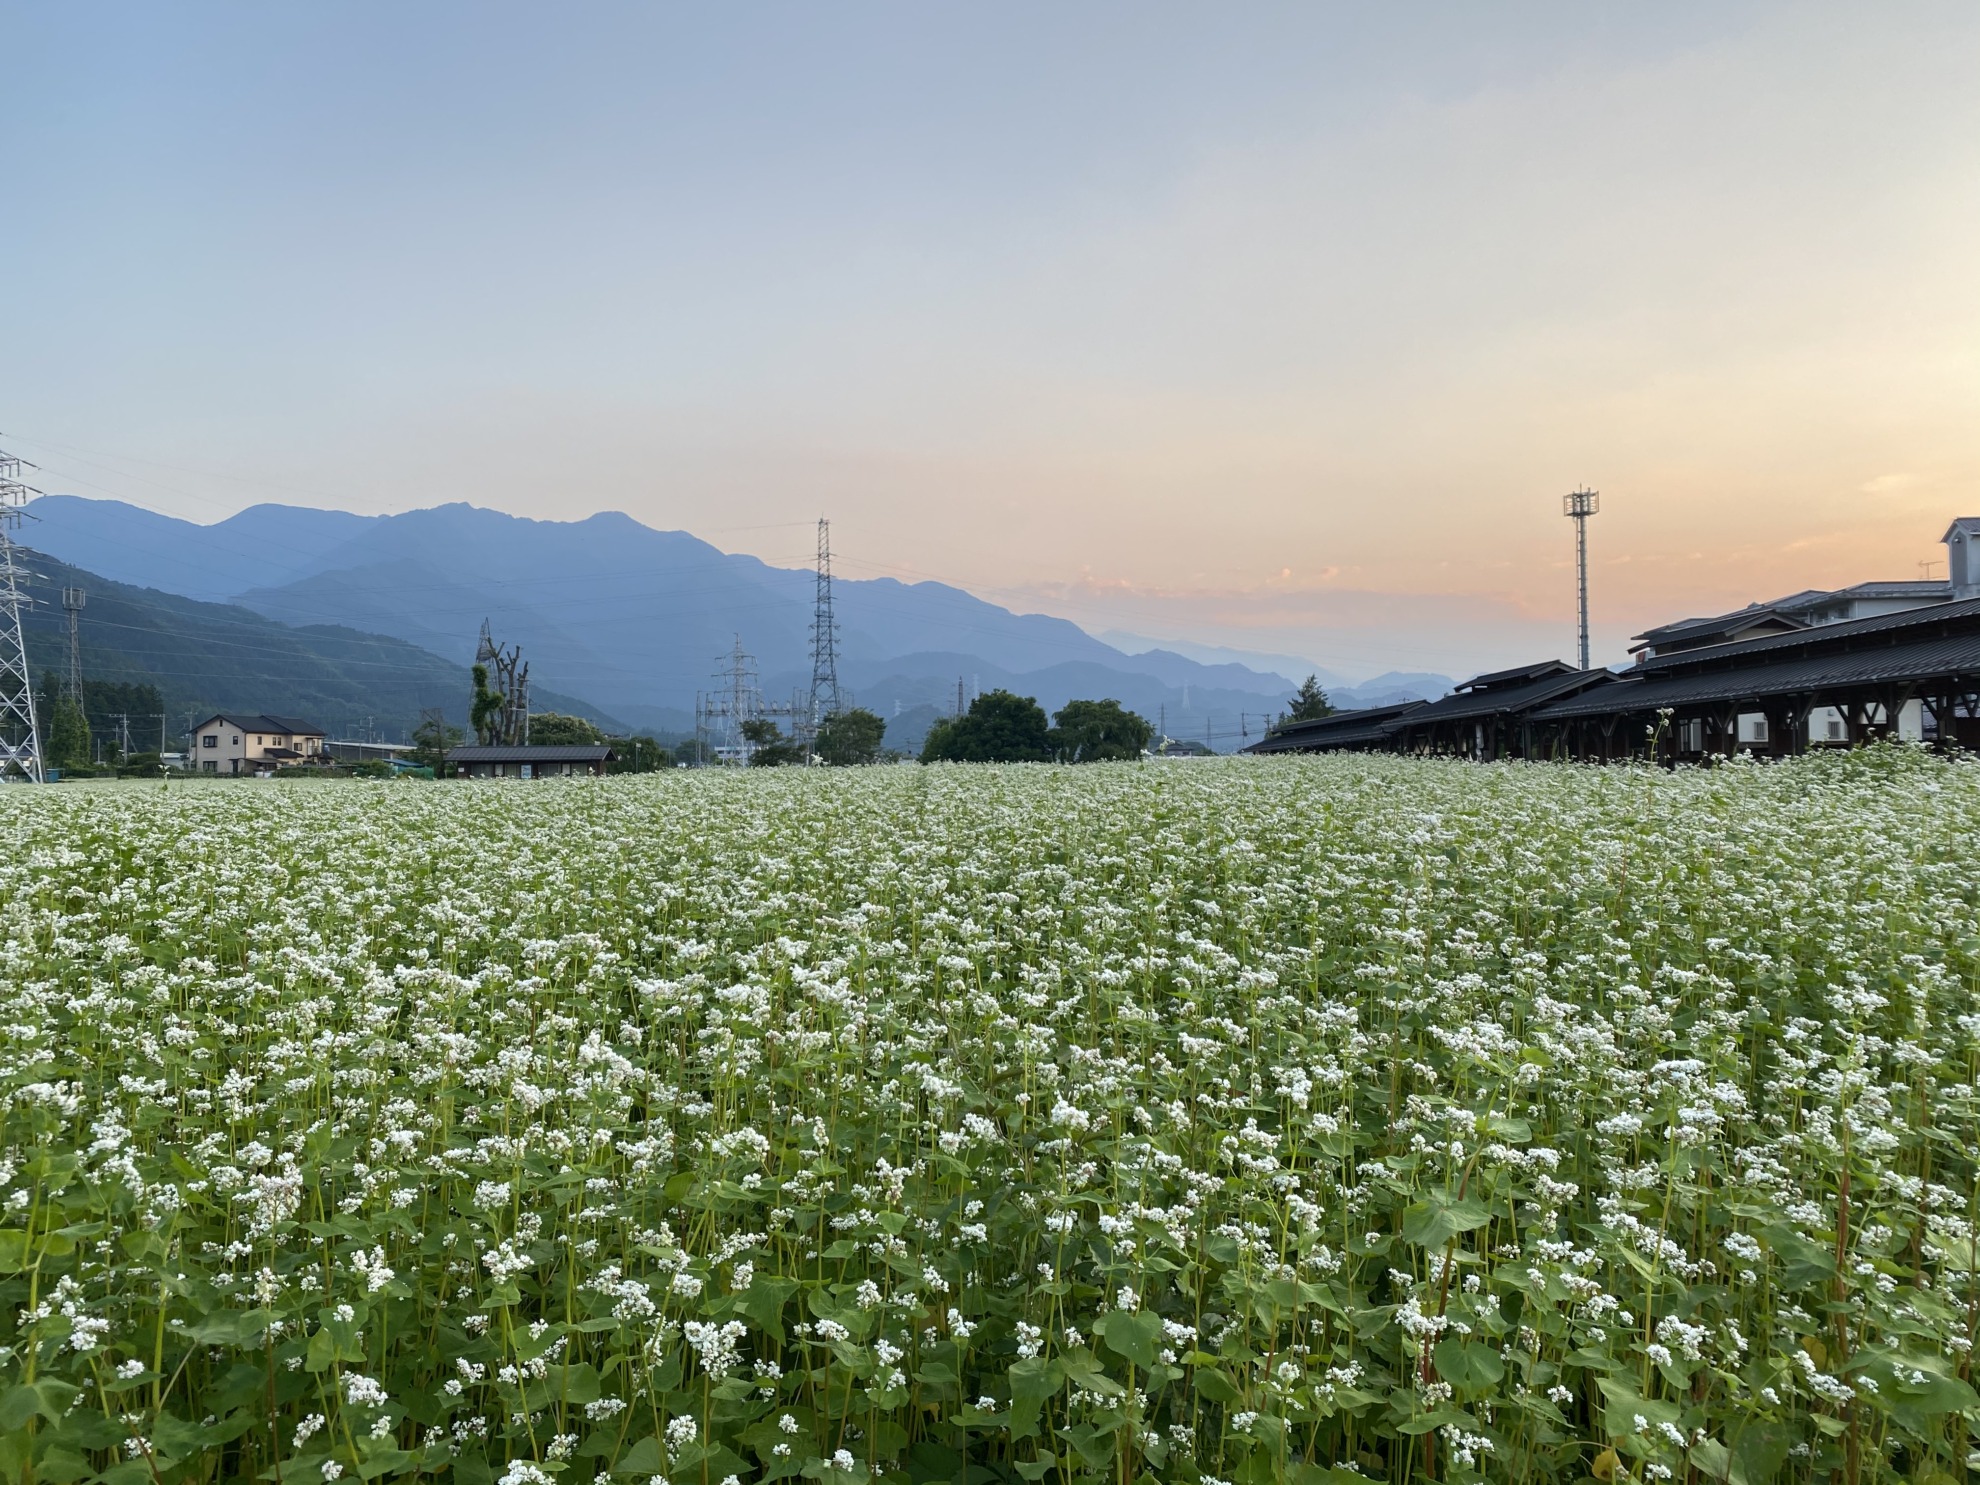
824	701
20	739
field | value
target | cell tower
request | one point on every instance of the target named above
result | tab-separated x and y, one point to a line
824	700
1578	507
20	740
73	600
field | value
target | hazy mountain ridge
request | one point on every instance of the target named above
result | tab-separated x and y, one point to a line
633	620
206	657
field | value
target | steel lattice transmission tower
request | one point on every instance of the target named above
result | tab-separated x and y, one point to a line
719	715
20	739
825	701
73	600
1578	507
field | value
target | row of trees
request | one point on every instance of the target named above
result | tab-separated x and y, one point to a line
1000	727
76	735
846	739
435	735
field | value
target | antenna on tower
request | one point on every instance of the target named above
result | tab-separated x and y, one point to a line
825	700
1578	507
20	740
73	600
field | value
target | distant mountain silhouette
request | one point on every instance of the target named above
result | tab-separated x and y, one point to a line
208	657
632	620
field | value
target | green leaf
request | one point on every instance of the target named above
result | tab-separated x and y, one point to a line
18	1404
1466	1364
1033	1380
13	1250
1134	1335
1216	1386
1435	1220
643	1458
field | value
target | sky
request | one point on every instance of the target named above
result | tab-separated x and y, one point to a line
1280	327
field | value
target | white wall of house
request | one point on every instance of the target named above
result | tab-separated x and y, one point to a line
219	746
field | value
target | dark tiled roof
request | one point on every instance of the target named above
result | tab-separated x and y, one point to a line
290	725
1467	705
1494	678
559	753
1716	626
1351	729
1824	638
1933	658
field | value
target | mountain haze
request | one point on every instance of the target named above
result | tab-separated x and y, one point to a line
207	657
632	620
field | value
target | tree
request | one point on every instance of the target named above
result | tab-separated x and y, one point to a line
555	729
432	739
769	748
850	737
68	733
634	754
999	728
1098	731
485	713
1309	703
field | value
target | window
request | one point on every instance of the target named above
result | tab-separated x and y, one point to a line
211	740
237	742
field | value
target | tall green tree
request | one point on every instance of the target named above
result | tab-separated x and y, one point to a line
485	712
431	739
634	755
1308	704
998	728
555	729
1098	731
850	738
67	732
768	747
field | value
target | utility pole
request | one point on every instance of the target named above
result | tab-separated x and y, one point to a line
20	740
824	701
1578	507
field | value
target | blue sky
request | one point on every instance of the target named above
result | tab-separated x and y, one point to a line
1276	326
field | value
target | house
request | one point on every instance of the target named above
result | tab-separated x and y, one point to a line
234	743
476	761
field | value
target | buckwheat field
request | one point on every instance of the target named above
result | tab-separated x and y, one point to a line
1316	1121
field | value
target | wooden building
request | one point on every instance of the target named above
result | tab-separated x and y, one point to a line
529	762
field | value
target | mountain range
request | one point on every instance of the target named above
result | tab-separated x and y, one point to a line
212	657
631	623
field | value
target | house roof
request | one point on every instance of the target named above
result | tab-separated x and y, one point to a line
1878	629
1929	657
1350	729
1518	674
1962	526
1497	701
1716	626
249	722
558	753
